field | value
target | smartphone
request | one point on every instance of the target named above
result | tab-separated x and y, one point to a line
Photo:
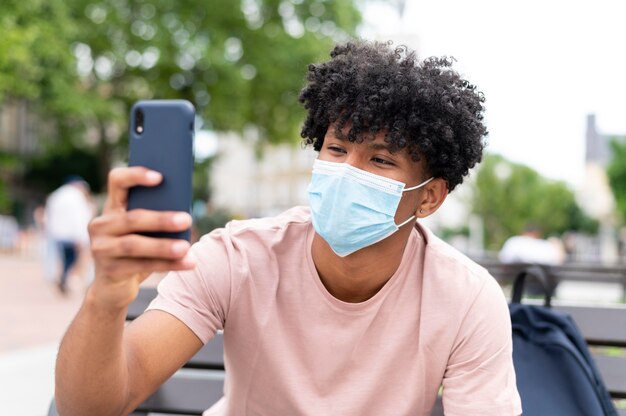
161	138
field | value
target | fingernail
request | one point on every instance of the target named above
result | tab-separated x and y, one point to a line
153	176
181	219
179	247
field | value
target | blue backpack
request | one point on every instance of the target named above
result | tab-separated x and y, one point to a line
555	372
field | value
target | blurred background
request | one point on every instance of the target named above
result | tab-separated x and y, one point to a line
555	167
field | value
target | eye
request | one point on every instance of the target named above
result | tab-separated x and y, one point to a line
382	161
335	149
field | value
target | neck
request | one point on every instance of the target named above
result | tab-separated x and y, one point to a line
360	275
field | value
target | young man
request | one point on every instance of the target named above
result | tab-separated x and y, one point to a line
347	308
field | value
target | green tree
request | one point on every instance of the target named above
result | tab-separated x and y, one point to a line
80	64
36	62
8	164
241	63
38	69
616	171
38	72
508	196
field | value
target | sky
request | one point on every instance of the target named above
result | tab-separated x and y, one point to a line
542	65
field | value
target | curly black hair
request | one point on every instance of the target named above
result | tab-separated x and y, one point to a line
425	107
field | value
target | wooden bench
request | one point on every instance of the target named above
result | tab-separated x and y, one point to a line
569	272
199	383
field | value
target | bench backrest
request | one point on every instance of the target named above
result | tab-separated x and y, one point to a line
505	272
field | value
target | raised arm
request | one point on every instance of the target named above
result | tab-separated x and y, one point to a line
102	367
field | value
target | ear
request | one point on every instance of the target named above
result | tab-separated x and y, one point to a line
433	195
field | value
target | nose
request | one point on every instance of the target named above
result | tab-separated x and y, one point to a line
357	160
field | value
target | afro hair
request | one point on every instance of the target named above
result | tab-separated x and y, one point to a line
423	106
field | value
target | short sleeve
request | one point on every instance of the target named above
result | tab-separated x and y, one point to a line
201	297
480	377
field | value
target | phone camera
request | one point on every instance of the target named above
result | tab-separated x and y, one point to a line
139	121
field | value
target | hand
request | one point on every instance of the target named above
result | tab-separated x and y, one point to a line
123	258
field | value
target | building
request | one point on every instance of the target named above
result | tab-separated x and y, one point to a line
18	128
251	185
595	196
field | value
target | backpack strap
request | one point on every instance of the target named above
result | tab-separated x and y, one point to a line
540	275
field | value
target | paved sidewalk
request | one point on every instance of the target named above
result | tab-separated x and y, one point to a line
33	318
27	381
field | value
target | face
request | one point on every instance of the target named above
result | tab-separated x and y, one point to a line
374	156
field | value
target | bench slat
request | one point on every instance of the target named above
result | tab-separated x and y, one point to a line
211	356
187	391
136	308
613	370
504	273
599	325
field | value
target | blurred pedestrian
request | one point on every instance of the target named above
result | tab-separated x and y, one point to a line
529	247
68	212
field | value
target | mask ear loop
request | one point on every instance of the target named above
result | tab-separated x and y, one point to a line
418	186
411	189
412	217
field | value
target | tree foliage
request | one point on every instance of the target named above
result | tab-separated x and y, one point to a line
241	62
36	62
616	171
508	196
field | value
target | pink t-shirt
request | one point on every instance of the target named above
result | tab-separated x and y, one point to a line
291	348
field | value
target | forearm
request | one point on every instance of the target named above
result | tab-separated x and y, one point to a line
92	375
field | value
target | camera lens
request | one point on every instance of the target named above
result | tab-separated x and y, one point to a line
139	121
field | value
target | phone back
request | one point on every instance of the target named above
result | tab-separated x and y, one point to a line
161	139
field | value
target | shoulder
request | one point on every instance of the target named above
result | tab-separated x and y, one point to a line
294	217
259	235
456	283
441	258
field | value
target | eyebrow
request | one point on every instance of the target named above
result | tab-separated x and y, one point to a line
376	146
381	146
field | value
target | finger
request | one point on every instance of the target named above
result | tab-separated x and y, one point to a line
123	269
139	220
121	179
134	245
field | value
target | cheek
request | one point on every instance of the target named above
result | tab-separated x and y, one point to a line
407	206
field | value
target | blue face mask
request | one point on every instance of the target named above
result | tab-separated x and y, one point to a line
351	208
